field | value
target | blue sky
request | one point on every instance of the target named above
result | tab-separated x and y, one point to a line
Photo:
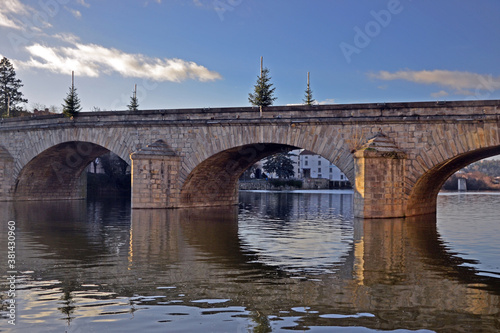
206	53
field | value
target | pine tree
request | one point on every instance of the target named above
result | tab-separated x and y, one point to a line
71	105
10	96
134	103
309	100
263	89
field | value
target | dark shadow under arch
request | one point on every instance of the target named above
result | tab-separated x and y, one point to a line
56	173
214	182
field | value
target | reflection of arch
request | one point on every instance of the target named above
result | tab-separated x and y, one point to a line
426	238
396	264
72	230
424	193
214	180
216	231
55	173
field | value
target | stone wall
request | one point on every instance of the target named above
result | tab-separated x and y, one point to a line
207	149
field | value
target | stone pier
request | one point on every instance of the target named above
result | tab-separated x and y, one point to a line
380	176
397	155
155	181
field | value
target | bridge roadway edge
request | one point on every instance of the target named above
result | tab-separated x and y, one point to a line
419	129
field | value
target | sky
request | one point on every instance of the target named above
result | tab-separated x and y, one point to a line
206	53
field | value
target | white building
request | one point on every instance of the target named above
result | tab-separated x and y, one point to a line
311	165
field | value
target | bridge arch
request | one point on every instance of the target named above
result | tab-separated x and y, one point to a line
427	142
56	172
423	197
457	147
214	181
209	175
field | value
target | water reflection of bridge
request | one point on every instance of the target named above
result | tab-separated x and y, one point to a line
398	270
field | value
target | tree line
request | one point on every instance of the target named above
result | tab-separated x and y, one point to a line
490	168
12	99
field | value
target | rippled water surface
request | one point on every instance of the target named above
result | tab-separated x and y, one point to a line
280	262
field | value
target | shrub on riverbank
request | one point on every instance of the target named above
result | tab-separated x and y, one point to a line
286	182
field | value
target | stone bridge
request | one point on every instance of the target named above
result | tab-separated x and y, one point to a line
397	155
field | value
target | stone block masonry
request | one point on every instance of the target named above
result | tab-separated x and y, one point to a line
397	155
380	178
155	181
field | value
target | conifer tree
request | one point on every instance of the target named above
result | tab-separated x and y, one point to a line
10	96
71	105
263	89
309	100
134	103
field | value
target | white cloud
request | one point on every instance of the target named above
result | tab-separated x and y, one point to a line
327	101
460	82
16	15
67	37
74	12
5	21
9	10
441	93
83	3
94	60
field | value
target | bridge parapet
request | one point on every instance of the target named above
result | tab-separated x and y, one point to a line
194	157
296	114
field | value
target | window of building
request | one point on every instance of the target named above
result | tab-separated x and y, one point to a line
319	175
331	170
319	162
319	169
341	177
305	163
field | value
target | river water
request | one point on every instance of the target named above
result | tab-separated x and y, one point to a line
280	262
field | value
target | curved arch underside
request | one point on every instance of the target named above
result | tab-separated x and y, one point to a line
56	172
423	197
214	182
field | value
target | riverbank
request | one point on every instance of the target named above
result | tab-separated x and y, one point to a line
292	184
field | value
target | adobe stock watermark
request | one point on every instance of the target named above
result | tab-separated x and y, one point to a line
222	6
364	36
487	85
11	272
